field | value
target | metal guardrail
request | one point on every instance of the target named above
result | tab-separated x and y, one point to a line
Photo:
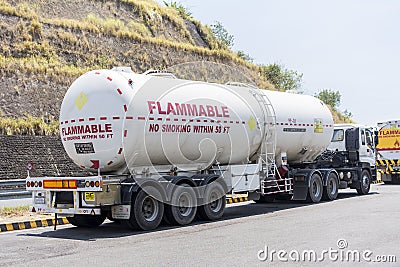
13	188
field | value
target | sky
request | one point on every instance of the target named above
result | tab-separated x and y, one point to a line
350	46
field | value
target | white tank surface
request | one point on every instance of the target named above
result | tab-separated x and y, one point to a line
304	126
120	121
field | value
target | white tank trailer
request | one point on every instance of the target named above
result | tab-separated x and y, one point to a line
158	121
168	148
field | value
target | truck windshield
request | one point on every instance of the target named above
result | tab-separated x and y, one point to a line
337	135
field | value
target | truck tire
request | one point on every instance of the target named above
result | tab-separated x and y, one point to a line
365	183
146	209
86	221
183	206
315	189
215	202
331	189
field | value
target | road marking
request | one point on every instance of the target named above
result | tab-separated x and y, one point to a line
6	227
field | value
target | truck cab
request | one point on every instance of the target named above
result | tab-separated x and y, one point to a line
355	137
352	153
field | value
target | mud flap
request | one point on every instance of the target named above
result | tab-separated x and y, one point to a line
300	186
301	183
300	191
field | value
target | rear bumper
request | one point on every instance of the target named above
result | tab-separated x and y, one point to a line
68	211
73	195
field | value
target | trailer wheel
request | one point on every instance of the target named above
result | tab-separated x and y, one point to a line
315	189
146	209
87	221
183	206
331	189
365	183
215	202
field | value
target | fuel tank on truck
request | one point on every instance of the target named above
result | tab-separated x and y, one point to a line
304	126
121	122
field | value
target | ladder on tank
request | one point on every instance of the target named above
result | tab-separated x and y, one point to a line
267	152
270	184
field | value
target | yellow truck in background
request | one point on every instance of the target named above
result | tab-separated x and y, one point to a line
388	148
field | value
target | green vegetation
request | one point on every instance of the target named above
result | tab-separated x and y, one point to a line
182	11
222	34
208	36
347	114
27	126
206	32
282	78
245	56
330	97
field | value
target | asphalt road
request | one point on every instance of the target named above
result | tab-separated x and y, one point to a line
352	225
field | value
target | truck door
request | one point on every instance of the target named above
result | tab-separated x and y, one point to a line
367	147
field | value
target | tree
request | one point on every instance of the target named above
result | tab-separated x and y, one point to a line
282	78
222	34
330	97
348	114
245	56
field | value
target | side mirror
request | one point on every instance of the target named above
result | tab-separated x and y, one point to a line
376	139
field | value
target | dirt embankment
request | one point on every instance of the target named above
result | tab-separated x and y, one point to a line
45	45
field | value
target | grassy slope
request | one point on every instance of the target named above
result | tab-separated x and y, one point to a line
46	44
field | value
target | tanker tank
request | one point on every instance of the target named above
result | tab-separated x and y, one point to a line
122	122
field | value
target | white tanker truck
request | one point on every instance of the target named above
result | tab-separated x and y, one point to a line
169	148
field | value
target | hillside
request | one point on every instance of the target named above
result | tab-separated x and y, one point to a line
46	44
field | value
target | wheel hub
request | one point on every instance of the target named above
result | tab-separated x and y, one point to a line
315	189
332	186
149	209
365	181
185	204
215	202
